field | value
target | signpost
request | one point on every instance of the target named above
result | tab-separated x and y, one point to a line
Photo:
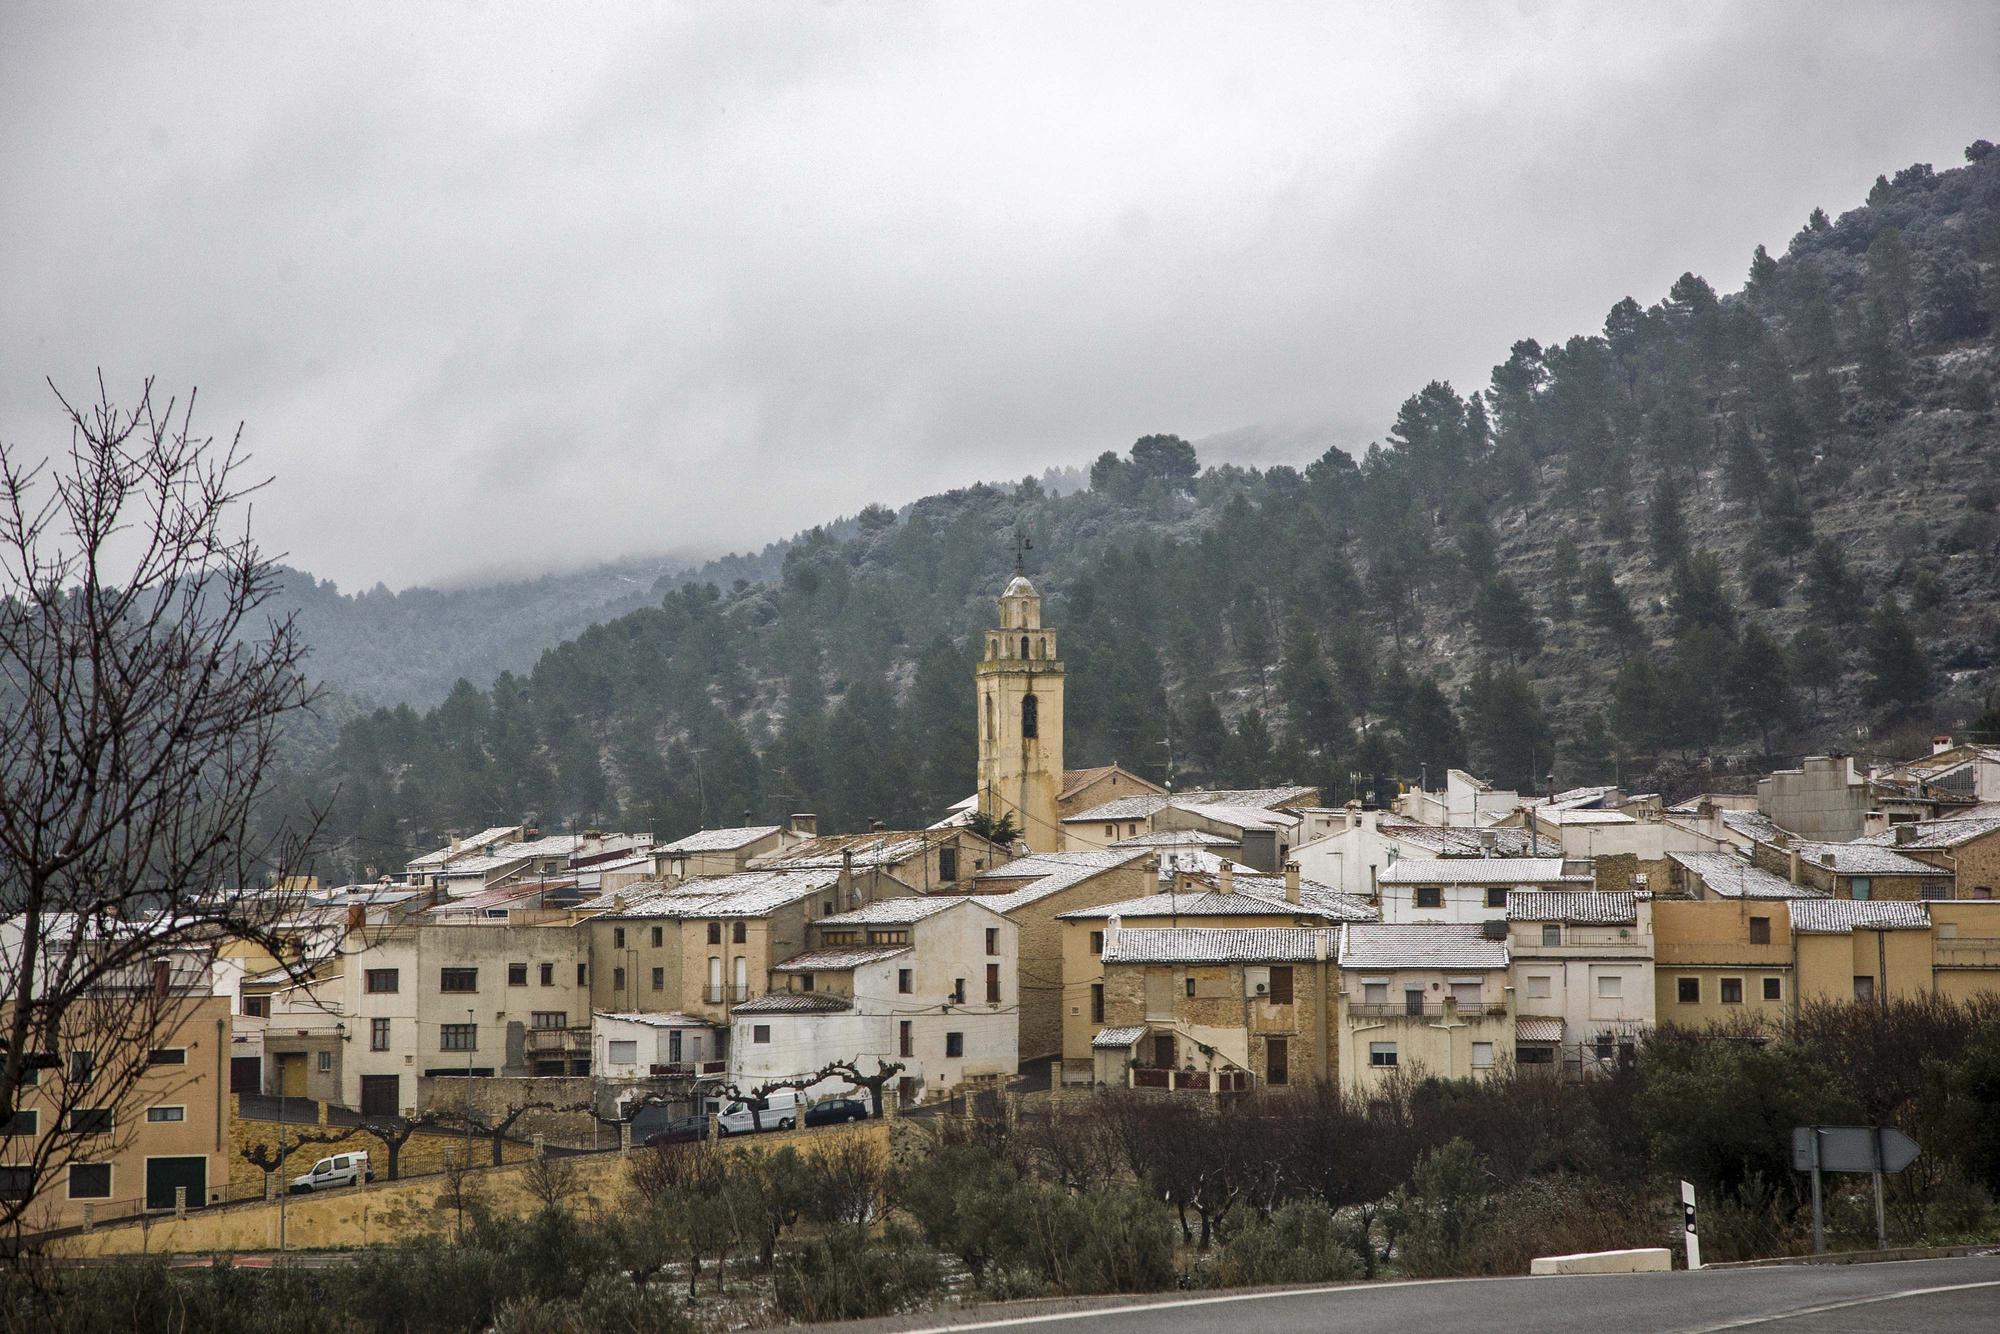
1687	1224
1872	1149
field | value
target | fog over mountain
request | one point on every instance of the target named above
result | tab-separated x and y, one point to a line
527	287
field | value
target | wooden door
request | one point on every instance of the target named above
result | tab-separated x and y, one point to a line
292	1074
1277	1061
381	1095
1163	1051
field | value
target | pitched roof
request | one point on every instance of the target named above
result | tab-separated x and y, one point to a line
1214	903
1451	841
721	840
1537	1028
835	958
1420	945
1475	871
1566	815
877	849
1753	825
744	894
1144	806
1176	838
1221	944
1076	780
1049	873
1728	876
896	912
1115	1039
1934	834
467	846
656	1019
794	1002
1841	917
1584	907
1864	859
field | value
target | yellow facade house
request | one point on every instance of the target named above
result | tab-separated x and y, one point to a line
1423	998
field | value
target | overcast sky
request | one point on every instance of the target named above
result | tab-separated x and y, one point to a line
521	287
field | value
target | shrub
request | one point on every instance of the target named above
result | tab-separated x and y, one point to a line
1445	1208
1301	1242
845	1276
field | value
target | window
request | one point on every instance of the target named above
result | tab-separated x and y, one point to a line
1381	1054
1277	1062
958	991
82	1065
1933	889
1413	1000
659	937
624	1051
458	979
1773	989
1430	897
547	1019
1482	1056
1375	993
1864	988
1862	887
90	1181
458	1037
1610	986
947	863
1097	942
583	974
25	1123
738	934
157	1115
954	1044
1539	1054
1732	991
905	1043
1031	710
257	1006
1111	831
905	983
618	979
168	1056
517	975
380	981
1552	933
715	933
1496	897
1187	987
617	937
1281	986
16	1182
805	981
1539	986
992	940
659	979
992	984
90	1121
326	1062
1760	931
1096	1002
1687	990
549	975
760	1032
378	1035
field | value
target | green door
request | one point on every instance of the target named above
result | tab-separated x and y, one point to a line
163	1174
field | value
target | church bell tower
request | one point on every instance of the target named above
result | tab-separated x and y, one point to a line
1020	681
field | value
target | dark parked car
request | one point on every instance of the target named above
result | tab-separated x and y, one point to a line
680	1130
836	1110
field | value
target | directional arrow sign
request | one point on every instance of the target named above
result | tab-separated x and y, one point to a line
1852	1148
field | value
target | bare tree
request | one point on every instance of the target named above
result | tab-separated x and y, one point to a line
551	1180
268	1160
495	1130
392	1133
145	682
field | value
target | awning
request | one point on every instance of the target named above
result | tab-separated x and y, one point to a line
1118	1039
1535	1028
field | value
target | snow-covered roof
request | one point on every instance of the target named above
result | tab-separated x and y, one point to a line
1420	945
1566	816
1863	859
744	894
1728	876
1145	805
721	840
1475	871
1934	834
656	1019
896	912
793	1002
1214	903
1117	1039
1221	944
1453	841
1753	825
1176	838
835	958
1049	873
1841	917
1581	907
1538	1028
467	847
879	849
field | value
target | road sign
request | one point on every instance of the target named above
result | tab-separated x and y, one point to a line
1852	1149
1687	1224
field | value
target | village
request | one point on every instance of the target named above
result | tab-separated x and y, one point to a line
1062	929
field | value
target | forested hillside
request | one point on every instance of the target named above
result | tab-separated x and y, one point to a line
1719	529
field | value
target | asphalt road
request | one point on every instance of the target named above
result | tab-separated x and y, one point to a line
1937	1296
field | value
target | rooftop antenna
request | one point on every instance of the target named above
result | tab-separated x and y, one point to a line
1023	544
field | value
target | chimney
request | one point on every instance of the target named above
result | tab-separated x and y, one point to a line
1488	841
1792	865
357	916
1940	744
1225	879
805	824
1704	809
1110	930
1354	818
846	890
1292	883
454	844
1904	833
1374	890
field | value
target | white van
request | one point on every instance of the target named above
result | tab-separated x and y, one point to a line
343	1169
781	1112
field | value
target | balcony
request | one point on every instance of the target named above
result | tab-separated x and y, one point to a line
556	1042
688	1069
1427	1010
732	995
1193	1081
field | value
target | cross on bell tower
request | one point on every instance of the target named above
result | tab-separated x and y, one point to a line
1020	686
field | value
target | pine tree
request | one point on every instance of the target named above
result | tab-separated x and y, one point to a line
1832	591
1814	661
1784	527
1880	367
1606	607
1666	525
1431	736
1760	683
1509	732
1700	598
1504	621
1898	673
1743	473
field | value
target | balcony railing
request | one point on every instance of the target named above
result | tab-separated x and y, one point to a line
556	1041
1427	1010
688	1069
